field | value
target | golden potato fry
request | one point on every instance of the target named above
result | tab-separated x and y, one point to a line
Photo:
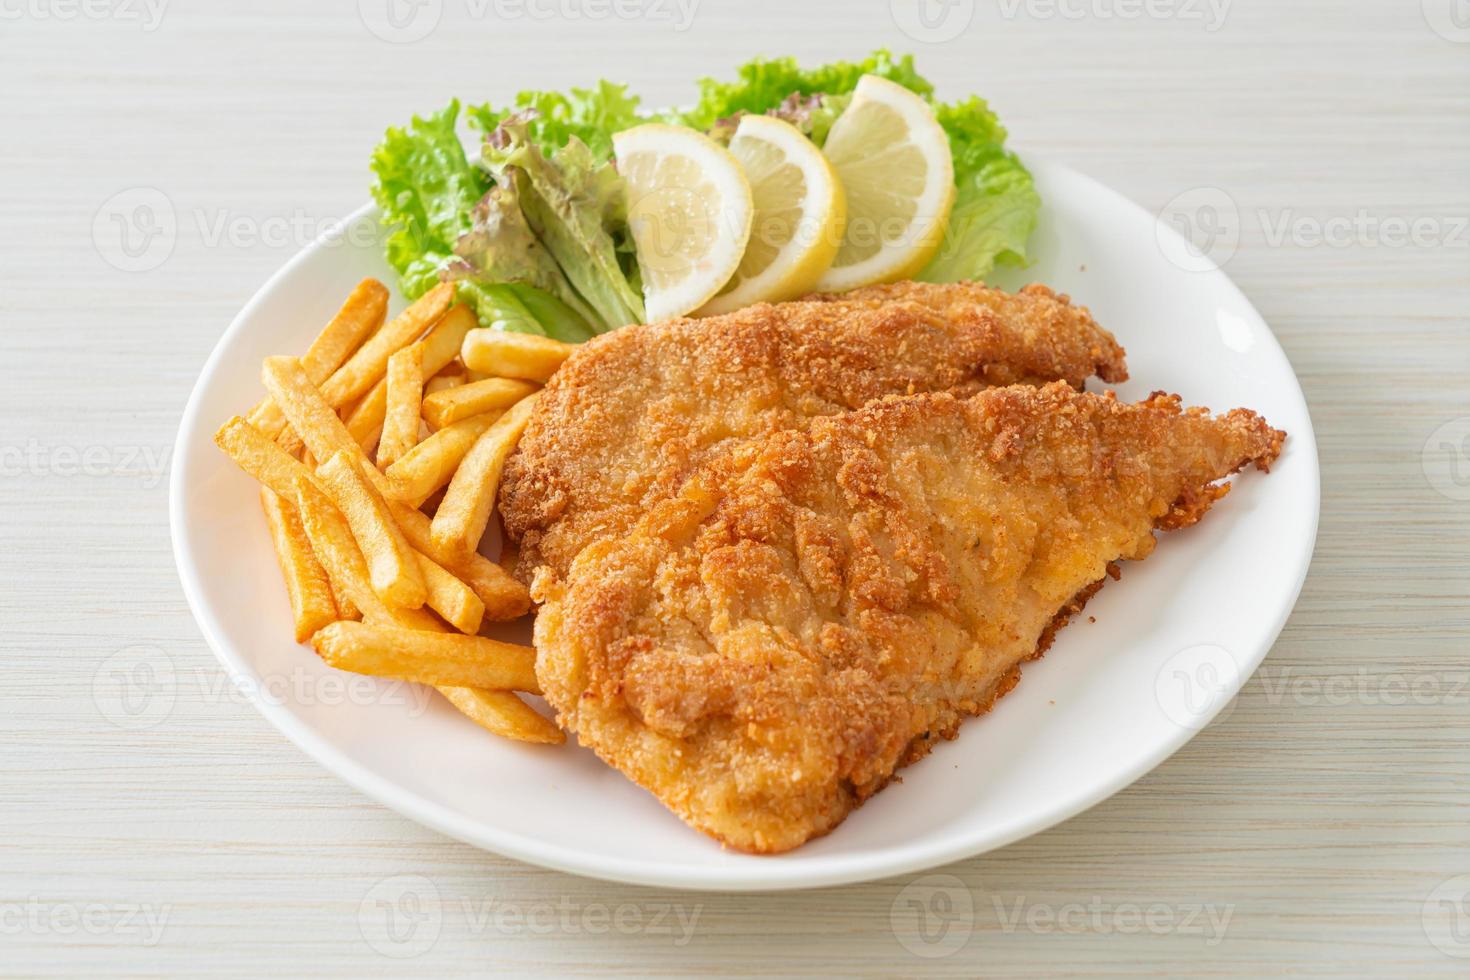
430	465
451	598
313	419
504	714
364	420
428	658
359	316
345	608
463	515
451	377
446	407
504	354
256	454
503	596
441	345
307	585
365	368
393	567
404	402
331	539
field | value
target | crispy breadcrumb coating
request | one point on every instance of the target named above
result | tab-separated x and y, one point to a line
812	610
635	411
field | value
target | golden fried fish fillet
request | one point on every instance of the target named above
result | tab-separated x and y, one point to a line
817	608
633	412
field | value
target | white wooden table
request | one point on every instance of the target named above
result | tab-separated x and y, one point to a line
1320	829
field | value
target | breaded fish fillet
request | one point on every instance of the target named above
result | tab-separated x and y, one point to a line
633	412
812	612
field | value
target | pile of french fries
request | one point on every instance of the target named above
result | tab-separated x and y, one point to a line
379	453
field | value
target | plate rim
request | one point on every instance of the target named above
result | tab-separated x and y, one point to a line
766	874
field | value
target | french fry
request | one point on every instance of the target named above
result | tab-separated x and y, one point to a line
428	658
331	539
503	713
463	515
393	567
505	354
313	419
451	377
451	598
307	585
345	608
430	465
256	454
500	596
364	420
359	316
366	367
436	350
405	393
269	463
442	408
503	596
441	345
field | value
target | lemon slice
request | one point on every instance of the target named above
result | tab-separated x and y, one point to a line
894	161
800	211
689	208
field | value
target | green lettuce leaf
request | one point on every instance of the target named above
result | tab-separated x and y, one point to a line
523	308
500	247
426	189
763	84
996	204
589	115
578	208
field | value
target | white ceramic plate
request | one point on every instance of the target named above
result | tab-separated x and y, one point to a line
1171	645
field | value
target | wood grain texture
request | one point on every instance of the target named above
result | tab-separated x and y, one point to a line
1304	833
